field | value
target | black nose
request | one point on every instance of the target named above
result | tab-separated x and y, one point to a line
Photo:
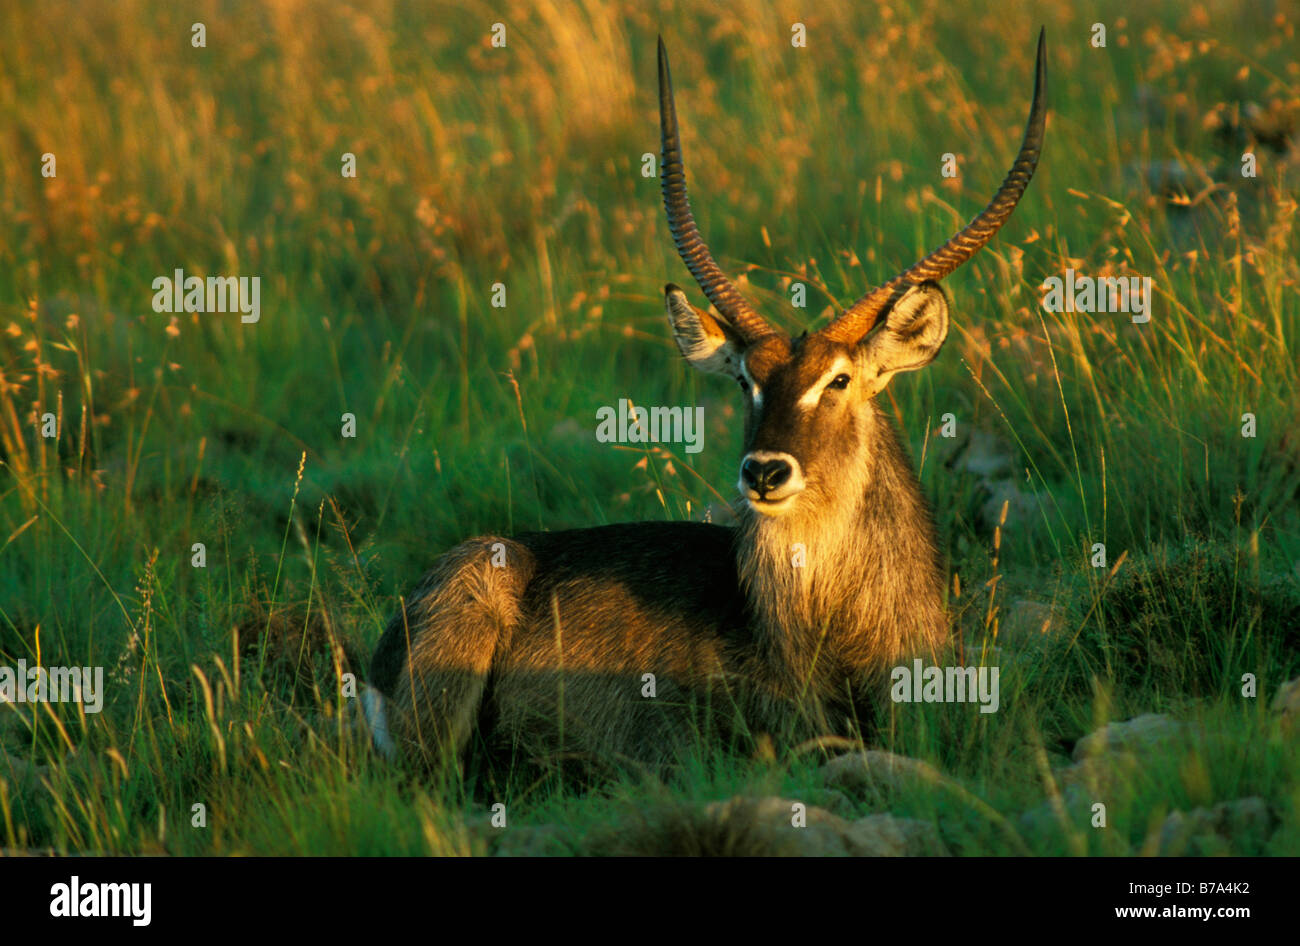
764	475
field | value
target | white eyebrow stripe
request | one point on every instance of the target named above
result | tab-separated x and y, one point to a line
814	393
754	389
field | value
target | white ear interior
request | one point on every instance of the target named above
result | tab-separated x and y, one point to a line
913	333
706	343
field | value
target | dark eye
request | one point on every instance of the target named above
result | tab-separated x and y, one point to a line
744	385
840	383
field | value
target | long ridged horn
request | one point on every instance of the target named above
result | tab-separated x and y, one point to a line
858	319
690	245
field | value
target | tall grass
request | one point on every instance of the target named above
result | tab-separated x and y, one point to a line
522	165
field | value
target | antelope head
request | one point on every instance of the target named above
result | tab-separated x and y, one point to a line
809	400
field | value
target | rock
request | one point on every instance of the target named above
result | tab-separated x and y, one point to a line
1092	779
887	836
1287	705
15	723
876	771
1024	619
833	800
532	841
20	772
1100	774
1223	829
824	834
1022	507
739	827
1043	819
992	461
985	455
821	835
1134	735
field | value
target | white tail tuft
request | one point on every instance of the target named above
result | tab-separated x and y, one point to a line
375	707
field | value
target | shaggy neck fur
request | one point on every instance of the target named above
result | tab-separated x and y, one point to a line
869	591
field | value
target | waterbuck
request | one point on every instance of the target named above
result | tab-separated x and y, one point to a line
633	642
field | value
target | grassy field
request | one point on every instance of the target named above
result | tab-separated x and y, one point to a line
522	165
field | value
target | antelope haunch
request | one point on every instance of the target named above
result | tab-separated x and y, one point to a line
634	642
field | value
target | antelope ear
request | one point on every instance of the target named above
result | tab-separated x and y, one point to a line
705	342
913	332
